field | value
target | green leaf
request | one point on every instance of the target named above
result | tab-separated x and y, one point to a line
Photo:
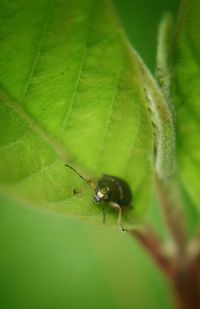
186	94
71	92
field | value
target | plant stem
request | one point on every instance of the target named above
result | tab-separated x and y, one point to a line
183	278
186	284
149	240
172	211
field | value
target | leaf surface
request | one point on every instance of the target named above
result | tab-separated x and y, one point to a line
186	94
70	92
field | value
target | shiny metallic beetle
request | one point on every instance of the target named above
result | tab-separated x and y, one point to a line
112	190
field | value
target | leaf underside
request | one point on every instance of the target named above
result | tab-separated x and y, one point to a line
186	94
70	92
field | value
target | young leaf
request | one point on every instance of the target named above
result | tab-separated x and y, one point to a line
186	93
71	93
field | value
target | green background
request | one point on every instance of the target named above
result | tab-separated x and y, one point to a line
49	261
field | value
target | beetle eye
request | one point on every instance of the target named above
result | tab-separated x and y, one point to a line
106	196
97	198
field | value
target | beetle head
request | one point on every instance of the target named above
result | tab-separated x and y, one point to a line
102	193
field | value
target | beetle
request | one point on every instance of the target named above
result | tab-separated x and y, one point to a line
112	190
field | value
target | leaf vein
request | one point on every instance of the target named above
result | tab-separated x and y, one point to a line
34	126
109	119
79	73
36	173
13	143
47	20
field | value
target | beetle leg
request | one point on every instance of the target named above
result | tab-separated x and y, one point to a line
104	215
115	205
120	221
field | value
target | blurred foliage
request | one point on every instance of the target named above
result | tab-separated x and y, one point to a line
141	19
186	92
49	261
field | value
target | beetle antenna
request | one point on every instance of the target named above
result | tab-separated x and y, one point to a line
73	169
